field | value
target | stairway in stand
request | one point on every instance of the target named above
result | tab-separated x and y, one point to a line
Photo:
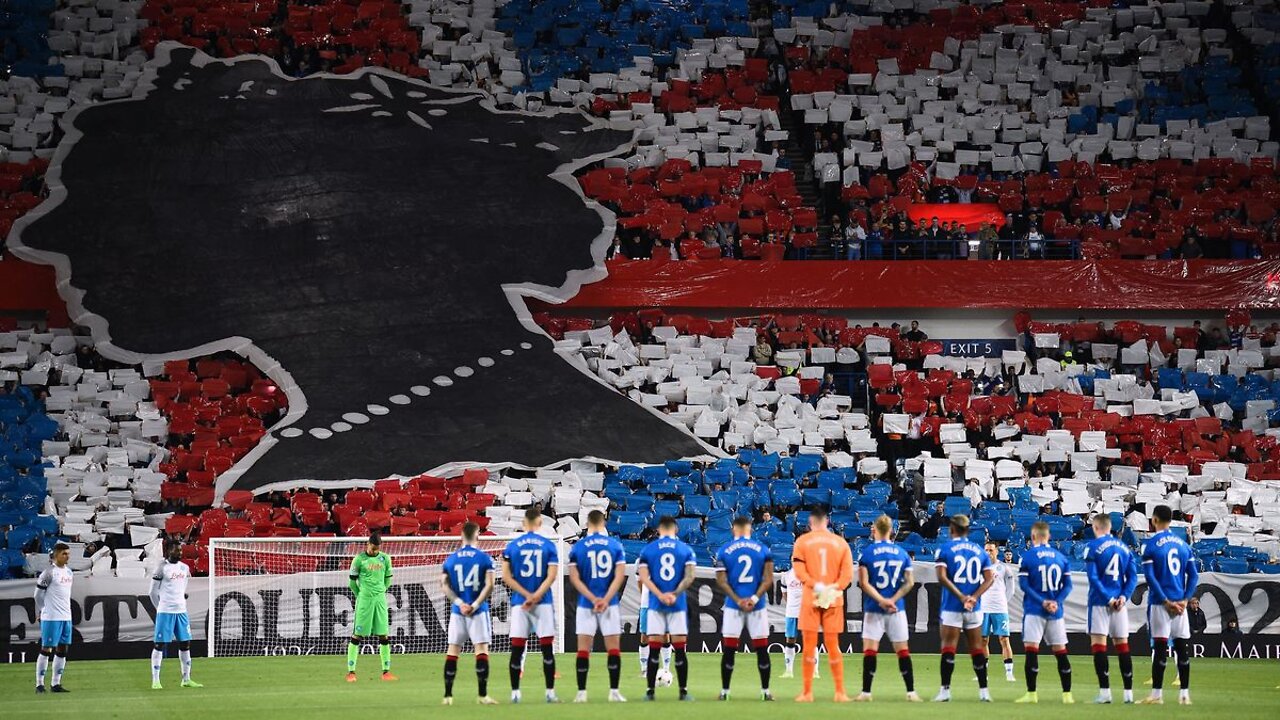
802	166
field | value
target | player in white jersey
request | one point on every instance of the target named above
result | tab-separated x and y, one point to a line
169	595
995	605
53	610
792	594
643	623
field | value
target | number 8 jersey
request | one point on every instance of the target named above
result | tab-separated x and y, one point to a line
667	559
965	562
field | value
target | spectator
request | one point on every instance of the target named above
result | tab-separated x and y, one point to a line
915	334
854	237
763	353
1190	249
1196	617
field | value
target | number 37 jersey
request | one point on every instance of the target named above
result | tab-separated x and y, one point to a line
887	567
965	562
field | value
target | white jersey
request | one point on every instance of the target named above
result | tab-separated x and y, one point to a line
996	598
173	579
644	596
795	593
55	583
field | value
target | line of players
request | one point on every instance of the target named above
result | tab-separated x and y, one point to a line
53	610
823	567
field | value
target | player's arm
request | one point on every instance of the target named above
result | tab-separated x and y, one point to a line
487	590
509	579
988	577
800	569
553	570
575	580
157	581
1067	584
845	578
1024	581
42	586
619	578
1131	578
864	582
1091	569
353	579
1153	583
908	582
1193	577
645	580
386	576
449	592
766	582
944	578
690	571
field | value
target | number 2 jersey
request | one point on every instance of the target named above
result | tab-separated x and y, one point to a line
465	571
965	562
596	558
887	566
743	562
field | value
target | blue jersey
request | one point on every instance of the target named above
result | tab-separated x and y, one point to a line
667	559
597	557
466	569
1045	575
1112	570
1170	568
887	566
531	556
965	562
743	562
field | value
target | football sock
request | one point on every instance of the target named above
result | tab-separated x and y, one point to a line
615	668
1064	669
482	674
868	670
584	668
1032	668
1102	666
450	674
548	661
904	667
517	661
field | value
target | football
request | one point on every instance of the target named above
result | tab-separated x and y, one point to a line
664	678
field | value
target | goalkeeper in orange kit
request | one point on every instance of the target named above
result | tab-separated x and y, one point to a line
823	563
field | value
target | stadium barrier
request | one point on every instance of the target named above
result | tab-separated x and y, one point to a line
114	617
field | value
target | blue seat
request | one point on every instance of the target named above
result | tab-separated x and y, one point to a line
666	508
690	530
639	503
699	505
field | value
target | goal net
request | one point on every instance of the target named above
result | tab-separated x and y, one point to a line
289	596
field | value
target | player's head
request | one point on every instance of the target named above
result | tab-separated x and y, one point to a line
742	527
818	518
882	528
470	531
1101	525
993	550
1161	517
667	527
173	551
959	526
374	544
1039	532
532	520
61	554
595	521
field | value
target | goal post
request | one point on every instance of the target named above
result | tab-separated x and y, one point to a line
289	596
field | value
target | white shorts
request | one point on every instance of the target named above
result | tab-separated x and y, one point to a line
668	623
1160	624
875	625
966	620
1105	621
541	620
607	623
756	622
475	628
1036	628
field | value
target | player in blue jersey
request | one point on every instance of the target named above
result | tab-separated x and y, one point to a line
744	571
884	574
965	573
666	567
467	579
530	564
597	570
1171	574
1113	576
1045	579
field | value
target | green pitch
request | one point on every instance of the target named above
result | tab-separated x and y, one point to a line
314	687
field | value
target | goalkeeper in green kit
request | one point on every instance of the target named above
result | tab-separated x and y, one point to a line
370	577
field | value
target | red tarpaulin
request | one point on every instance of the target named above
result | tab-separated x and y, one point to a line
971	215
1009	284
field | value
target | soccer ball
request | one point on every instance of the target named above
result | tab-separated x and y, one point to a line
664	678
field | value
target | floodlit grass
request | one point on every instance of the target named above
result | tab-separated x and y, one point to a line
314	687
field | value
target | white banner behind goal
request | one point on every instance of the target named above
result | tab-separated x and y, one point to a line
289	596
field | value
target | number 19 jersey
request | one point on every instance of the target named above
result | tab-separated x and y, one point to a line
596	558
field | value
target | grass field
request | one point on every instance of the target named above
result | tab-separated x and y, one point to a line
313	687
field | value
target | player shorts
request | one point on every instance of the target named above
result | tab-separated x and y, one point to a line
1036	629
55	632
1105	621
675	622
793	627
607	623
1160	624
995	624
541	621
875	625
475	628
643	623
756	622
371	617
172	626
961	619
826	620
